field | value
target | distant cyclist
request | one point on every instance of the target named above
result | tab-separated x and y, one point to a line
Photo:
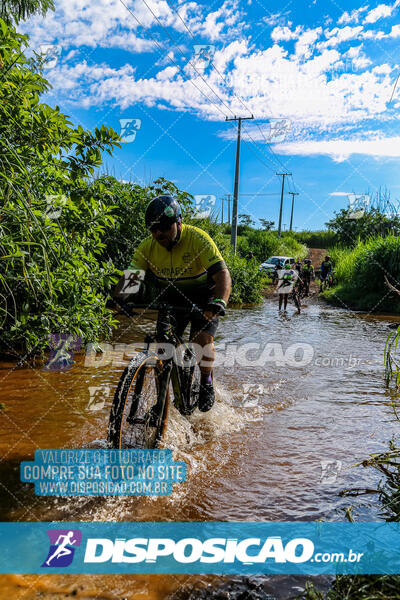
298	266
186	268
307	275
286	283
326	269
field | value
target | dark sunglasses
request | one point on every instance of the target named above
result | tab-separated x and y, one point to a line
163	227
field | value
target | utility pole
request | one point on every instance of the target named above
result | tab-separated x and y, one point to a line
222	211
283	175
229	200
236	188
291	214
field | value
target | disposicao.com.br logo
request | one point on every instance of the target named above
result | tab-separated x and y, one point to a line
200	547
248	551
62	547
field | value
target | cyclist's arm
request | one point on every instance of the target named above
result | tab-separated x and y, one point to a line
223	284
138	263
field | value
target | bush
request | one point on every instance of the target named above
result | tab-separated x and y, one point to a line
267	243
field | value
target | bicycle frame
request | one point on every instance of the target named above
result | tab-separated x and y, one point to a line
171	370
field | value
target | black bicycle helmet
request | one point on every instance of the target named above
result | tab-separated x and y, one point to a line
162	211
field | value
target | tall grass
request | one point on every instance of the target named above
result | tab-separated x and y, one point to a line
361	274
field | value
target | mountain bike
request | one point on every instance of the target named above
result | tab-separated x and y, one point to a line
330	281
139	411
295	296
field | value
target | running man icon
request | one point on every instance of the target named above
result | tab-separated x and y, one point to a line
61	551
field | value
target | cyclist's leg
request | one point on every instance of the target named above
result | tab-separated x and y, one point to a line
285	301
202	333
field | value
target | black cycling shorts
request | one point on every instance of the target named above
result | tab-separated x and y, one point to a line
197	323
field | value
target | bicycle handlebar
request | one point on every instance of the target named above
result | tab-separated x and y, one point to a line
159	307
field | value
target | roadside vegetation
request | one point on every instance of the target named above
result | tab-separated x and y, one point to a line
317	239
361	273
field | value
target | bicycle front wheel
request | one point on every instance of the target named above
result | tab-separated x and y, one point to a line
296	300
140	407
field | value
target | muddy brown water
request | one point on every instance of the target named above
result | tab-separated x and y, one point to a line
255	457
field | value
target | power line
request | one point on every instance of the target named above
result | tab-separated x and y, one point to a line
272	168
189	79
174	61
212	64
184	55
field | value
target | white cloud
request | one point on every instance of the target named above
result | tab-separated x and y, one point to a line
383	69
338	35
314	92
352	17
108	23
285	34
340	193
310	86
273	19
361	62
395	33
78	23
304	45
380	12
341	150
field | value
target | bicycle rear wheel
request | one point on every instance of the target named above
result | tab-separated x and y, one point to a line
140	407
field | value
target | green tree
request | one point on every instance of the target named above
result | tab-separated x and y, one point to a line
19	10
246	220
267	225
51	223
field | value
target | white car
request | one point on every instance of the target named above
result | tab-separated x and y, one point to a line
272	262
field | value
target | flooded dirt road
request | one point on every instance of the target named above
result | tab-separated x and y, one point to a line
279	445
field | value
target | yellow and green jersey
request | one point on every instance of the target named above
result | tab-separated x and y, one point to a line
308	271
182	274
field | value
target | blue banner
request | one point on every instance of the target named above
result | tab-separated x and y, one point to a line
200	548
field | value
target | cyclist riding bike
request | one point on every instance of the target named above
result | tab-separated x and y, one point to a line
307	275
326	268
186	268
298	266
287	281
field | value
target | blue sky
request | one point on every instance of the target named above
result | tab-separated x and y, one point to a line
318	78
